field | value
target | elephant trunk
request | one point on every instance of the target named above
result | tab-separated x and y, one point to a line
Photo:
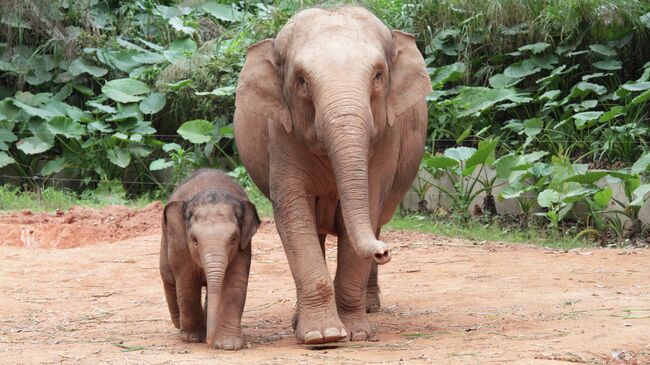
215	268
347	139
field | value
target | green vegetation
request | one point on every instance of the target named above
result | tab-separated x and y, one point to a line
118	100
51	199
478	231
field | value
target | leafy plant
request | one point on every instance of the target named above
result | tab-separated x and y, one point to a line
459	165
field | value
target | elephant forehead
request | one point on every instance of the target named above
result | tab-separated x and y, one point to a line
352	23
349	18
213	213
338	51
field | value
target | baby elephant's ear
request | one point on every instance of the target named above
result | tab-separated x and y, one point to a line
174	223
249	224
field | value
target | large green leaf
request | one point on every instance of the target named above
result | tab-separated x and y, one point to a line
583	88
612	113
603	50
171	147
35	112
180	49
119	156
66	127
5	159
483	155
535	47
33	145
449	73
81	66
533	126
153	103
197	131
589	178
439	162
179	26
608	65
123	60
582	120
460	154
53	166
637	86
101	107
473	100
222	11
645	96
160	164
500	81
545	61
603	197
639	195
645	19
521	69
548	198
99	126
642	164
125	90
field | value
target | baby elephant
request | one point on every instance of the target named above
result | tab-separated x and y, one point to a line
207	228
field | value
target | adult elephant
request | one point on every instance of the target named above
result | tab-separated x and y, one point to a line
330	123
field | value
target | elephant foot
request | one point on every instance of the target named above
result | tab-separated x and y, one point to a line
192	336
373	303
311	330
357	325
226	342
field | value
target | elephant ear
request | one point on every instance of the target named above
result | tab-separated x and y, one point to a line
174	224
260	84
250	222
409	79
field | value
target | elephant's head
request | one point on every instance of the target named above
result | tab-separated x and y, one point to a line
213	227
337	80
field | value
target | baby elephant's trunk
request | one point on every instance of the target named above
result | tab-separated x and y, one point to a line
215	268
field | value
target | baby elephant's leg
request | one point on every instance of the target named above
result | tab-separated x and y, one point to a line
188	292
229	336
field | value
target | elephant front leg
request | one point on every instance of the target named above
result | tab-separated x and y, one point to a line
352	274
188	292
229	334
316	319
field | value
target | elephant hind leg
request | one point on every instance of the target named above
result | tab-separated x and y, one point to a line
373	303
321	240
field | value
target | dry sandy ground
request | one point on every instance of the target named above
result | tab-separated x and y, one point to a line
444	302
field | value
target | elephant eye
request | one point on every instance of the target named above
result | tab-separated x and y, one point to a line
378	76
302	86
301	81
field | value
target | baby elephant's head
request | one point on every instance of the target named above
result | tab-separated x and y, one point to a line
215	226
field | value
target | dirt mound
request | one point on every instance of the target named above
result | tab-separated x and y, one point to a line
79	226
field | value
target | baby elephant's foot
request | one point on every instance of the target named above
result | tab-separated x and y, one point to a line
192	336
309	330
225	342
357	325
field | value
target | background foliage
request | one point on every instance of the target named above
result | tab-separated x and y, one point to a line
120	98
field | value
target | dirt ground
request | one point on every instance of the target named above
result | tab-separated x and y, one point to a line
445	301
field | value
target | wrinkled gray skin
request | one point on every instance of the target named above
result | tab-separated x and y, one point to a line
207	228
330	122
